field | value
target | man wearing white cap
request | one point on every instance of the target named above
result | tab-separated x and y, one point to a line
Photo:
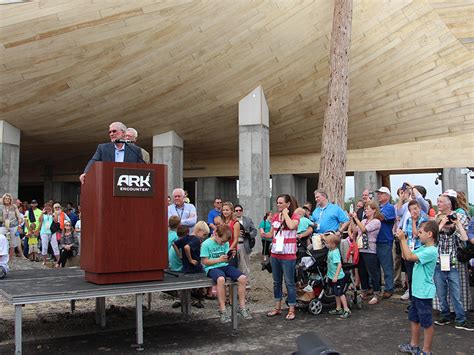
385	239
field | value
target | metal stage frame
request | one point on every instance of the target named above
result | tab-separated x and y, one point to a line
68	284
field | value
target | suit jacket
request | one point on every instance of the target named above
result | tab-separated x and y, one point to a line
250	228
106	152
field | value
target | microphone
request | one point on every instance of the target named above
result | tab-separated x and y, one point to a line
126	141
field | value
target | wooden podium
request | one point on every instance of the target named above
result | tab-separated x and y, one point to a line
124	220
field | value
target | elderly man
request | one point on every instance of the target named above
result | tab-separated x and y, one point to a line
185	211
116	152
385	239
131	134
248	232
328	216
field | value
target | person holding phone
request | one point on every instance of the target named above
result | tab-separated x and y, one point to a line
215	254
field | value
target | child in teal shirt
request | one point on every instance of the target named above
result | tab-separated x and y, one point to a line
336	276
215	258
423	287
174	261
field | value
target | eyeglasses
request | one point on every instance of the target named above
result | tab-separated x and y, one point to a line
219	202
113	131
57	208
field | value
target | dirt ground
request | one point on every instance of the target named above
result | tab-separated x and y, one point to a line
52	328
49	320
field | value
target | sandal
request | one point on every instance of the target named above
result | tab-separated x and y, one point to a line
274	312
374	300
291	315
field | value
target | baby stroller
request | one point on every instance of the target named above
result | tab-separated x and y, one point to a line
313	286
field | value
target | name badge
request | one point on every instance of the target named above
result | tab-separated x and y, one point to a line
445	262
279	244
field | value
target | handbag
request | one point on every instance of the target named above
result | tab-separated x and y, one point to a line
55	227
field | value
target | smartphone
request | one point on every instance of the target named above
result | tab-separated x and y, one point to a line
404	186
229	254
351	208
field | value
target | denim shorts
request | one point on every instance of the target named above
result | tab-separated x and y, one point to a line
338	287
421	311
224	271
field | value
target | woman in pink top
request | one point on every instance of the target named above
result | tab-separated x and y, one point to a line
283	255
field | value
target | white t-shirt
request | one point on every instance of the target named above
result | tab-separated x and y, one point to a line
4	252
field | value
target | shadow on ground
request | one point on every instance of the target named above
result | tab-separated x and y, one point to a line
372	330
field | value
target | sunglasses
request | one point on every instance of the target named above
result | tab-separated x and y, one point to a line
113	131
239	210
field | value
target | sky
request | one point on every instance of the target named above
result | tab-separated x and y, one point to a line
426	180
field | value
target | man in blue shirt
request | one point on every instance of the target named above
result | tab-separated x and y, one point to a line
385	239
216	211
328	216
185	211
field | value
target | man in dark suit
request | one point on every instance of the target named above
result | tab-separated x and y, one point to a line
117	152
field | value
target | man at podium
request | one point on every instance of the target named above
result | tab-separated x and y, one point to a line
118	150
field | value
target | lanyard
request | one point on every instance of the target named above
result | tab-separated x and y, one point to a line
182	211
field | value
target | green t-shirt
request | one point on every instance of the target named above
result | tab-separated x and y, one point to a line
211	250
266	226
304	224
175	263
422	285
334	259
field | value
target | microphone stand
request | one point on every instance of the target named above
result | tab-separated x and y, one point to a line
131	149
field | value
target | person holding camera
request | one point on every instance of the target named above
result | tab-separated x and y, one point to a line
369	267
449	271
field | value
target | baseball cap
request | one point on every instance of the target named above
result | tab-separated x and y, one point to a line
451	192
384	190
34	201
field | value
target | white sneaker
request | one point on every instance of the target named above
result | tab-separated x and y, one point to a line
405	296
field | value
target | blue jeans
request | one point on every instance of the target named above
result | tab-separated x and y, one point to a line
384	254
444	280
285	268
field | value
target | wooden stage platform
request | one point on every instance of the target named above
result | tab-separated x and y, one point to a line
68	284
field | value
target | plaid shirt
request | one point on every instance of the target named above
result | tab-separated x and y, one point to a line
408	230
448	242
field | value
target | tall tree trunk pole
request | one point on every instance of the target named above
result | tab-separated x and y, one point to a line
332	171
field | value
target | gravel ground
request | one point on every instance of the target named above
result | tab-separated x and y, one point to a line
50	320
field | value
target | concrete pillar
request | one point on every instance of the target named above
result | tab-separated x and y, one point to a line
168	149
208	188
453	178
254	155
9	158
366	180
289	184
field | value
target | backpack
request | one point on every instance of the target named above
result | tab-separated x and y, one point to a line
251	240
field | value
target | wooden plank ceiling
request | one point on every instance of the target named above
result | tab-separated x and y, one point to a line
68	68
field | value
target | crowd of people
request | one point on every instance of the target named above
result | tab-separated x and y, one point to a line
51	232
383	240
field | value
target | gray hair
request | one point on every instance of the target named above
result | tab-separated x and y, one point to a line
132	131
180	191
119	125
322	192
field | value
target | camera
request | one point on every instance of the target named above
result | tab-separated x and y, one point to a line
452	217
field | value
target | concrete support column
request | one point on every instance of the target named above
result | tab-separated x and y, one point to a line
254	155
208	188
453	178
289	184
366	180
9	158
168	149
